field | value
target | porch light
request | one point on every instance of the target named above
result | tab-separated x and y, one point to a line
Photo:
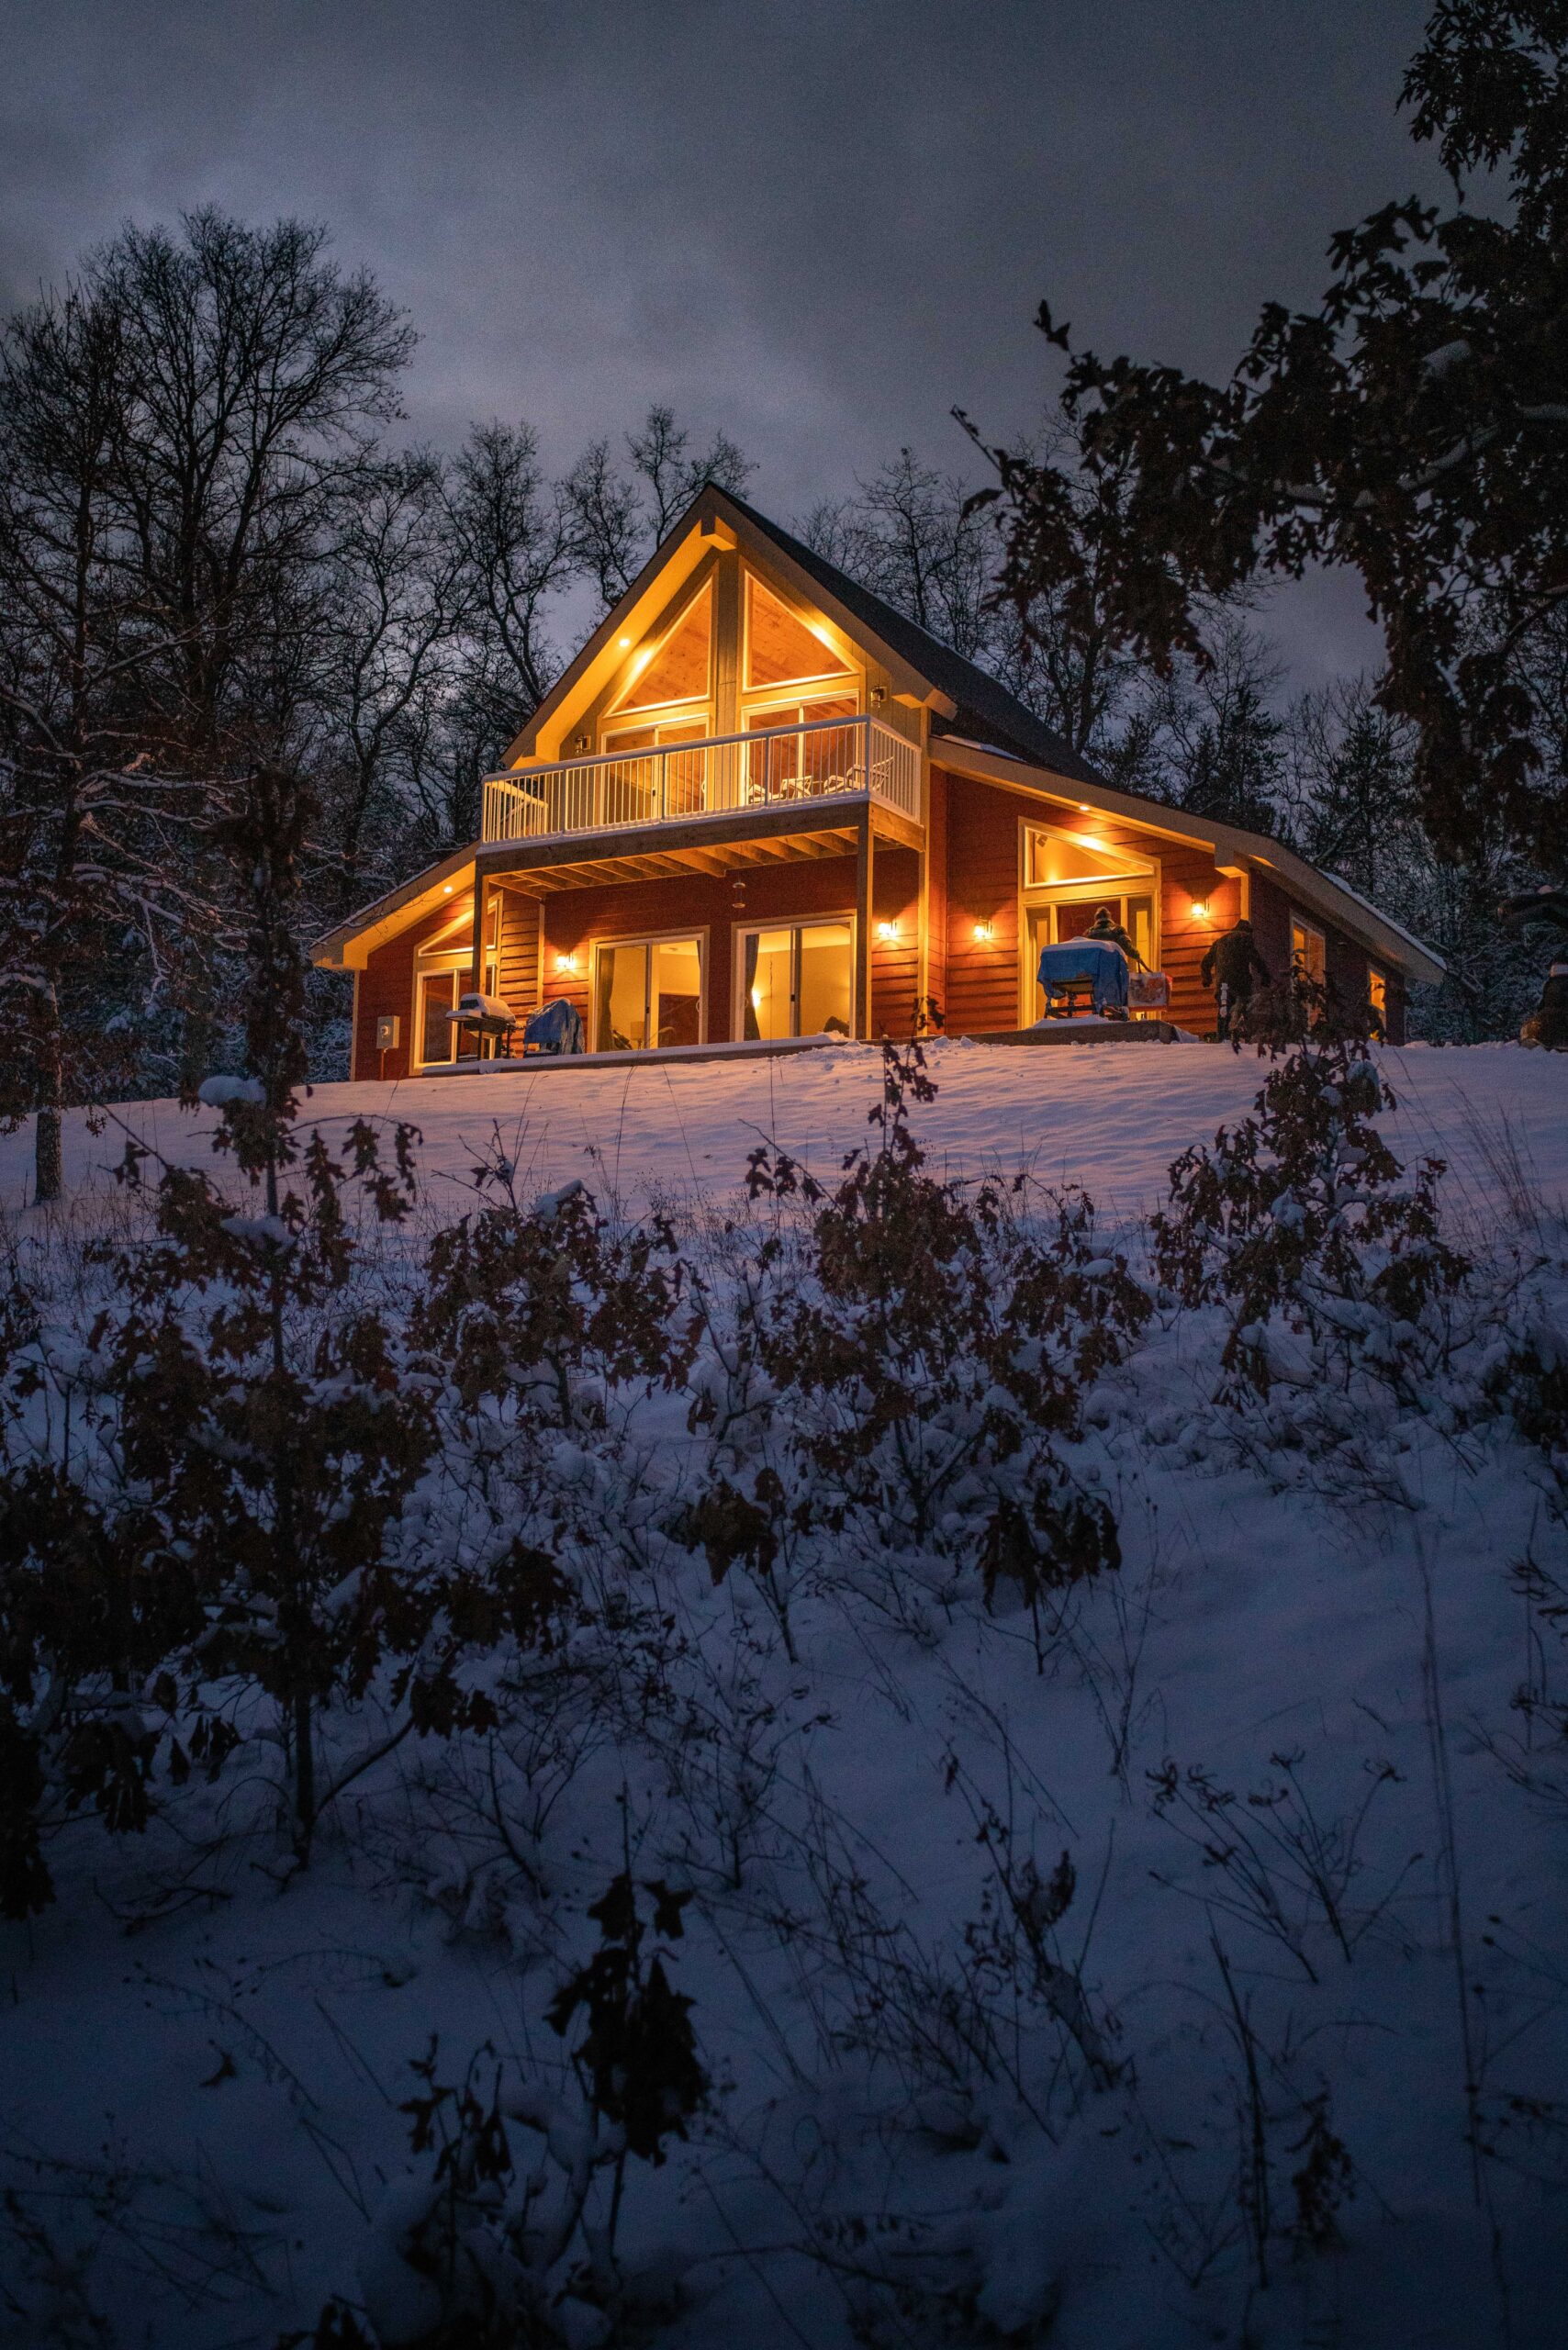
565	963
984	933
887	929
1199	910
1084	808
446	888
625	645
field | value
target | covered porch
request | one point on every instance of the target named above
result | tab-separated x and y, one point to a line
774	926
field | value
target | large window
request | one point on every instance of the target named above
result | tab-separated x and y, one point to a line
782	647
1068	877
798	981
647	992
1309	951
803	766
679	668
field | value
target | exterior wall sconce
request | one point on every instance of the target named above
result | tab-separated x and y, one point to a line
878	697
887	930
1199	910
567	963
984	933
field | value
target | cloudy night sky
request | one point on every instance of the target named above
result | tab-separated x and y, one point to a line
819	225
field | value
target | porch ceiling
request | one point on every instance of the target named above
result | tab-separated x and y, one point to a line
709	857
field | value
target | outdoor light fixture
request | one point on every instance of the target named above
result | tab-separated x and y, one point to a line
1084	808
1200	911
446	887
566	962
887	929
985	932
625	645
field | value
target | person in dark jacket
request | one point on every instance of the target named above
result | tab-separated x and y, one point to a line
1547	1024
1105	931
1229	968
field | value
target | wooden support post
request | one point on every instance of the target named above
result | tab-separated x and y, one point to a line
864	857
481	914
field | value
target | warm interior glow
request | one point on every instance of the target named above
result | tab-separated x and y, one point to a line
781	646
678	668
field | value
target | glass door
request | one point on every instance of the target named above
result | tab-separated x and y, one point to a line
1062	919
798	981
648	992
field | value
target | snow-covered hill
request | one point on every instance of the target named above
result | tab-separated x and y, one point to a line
1177	1959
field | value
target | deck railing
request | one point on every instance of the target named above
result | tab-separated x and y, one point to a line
831	758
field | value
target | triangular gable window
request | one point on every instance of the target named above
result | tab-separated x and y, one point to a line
779	647
679	669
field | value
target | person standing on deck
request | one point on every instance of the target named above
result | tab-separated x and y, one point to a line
1229	968
1105	931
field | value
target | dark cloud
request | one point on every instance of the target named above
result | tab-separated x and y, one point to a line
817	224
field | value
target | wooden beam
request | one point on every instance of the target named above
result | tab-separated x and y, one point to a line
865	853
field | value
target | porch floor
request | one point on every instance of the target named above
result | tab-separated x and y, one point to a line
1060	1031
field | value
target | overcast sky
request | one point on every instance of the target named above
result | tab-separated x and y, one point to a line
817	223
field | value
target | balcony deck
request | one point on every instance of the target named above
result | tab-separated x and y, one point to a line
793	770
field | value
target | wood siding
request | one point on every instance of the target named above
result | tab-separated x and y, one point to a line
986	986
386	985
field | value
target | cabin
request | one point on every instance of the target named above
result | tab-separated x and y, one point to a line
761	806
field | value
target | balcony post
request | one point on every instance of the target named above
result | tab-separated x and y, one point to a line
865	853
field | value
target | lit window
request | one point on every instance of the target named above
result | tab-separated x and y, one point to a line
679	668
781	647
1309	951
1377	991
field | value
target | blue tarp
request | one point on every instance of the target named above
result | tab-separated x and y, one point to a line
554	1028
1088	964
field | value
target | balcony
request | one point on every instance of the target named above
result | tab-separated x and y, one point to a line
831	759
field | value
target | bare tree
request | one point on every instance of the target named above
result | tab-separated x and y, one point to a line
620	516
181	434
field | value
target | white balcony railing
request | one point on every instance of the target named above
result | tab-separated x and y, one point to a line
832	759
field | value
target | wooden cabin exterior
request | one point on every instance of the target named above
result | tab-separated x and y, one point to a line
761	803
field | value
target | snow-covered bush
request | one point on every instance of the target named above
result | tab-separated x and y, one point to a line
1327	1257
905	1366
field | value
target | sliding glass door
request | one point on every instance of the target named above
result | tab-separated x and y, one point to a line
647	992
798	981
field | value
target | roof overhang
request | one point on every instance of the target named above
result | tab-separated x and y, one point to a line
1234	850
349	946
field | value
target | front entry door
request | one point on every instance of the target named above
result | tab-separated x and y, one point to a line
1054	923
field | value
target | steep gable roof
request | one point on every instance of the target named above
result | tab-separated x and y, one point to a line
984	711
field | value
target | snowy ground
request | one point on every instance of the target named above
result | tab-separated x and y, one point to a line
1111	1118
201	2112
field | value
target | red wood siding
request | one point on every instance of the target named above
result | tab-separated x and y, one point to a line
576	919
982	888
937	891
895	962
985	977
386	985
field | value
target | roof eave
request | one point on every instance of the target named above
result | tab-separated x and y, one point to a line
1230	843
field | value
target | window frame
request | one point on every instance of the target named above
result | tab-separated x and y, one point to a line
1299	922
430	963
645	938
850	675
1146	878
752	926
617	716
